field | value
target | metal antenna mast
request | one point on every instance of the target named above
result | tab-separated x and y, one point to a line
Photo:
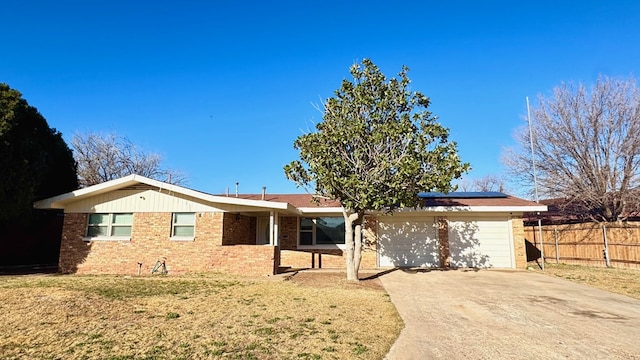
535	181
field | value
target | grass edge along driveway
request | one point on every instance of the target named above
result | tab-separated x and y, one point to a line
617	280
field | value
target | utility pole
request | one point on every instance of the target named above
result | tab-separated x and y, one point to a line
535	181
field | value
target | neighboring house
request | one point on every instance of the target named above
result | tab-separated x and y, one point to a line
124	226
560	211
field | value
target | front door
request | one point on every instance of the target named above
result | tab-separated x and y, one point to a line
262	230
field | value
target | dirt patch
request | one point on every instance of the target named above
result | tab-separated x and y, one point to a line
325	279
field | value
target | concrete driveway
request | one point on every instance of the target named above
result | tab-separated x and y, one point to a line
503	314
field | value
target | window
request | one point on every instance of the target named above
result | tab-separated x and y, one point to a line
115	226
183	226
322	231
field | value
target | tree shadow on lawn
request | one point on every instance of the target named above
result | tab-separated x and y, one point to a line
326	279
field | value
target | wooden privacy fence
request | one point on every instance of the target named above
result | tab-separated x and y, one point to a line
616	244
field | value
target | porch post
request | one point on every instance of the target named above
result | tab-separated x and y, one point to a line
273	228
276	229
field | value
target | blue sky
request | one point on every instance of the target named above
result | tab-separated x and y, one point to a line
221	89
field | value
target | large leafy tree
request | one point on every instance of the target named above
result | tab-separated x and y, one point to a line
35	161
586	145
376	148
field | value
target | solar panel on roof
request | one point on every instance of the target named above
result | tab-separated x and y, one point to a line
463	195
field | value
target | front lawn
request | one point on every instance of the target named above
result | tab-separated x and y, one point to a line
621	281
199	317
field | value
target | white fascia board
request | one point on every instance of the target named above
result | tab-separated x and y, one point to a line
462	209
320	210
59	202
437	209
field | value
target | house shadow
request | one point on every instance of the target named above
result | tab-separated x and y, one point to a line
73	253
533	253
74	250
31	245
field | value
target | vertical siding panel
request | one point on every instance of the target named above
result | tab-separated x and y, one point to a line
130	201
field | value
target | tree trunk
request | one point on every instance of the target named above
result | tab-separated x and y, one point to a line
357	252
353	242
352	274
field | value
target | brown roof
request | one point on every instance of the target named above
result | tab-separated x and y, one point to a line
497	201
562	211
297	200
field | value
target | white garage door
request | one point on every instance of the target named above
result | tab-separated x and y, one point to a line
407	241
481	242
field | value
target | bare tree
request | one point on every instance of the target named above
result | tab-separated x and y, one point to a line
487	183
107	157
586	144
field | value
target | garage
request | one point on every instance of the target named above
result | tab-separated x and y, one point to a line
481	242
408	241
483	230
478	241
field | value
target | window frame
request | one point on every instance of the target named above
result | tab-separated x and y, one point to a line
110	226
174	224
313	231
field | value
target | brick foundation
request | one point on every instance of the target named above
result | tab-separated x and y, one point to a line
245	259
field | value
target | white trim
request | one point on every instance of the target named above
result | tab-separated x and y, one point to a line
438	209
106	238
512	245
59	202
182	238
320	210
276	229
110	224
184	225
463	209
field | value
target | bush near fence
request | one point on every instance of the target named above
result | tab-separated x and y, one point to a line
584	243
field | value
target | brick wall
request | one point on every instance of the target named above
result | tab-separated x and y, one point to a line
73	251
323	258
150	240
238	229
288	232
245	259
518	242
443	242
